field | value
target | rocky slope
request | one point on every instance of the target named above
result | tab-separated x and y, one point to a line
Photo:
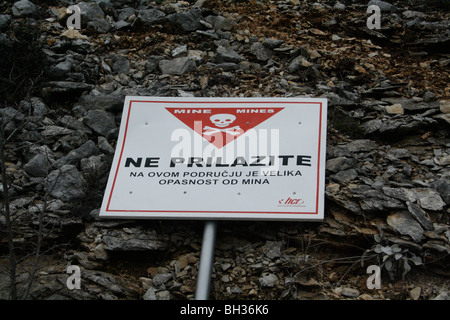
388	150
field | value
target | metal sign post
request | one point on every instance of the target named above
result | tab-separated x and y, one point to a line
206	261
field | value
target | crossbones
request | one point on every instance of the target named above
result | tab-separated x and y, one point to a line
233	130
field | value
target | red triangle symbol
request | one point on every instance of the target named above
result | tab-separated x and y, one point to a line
220	126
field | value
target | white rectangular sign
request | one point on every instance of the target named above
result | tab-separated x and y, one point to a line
219	158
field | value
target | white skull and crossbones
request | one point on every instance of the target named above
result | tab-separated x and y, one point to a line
222	120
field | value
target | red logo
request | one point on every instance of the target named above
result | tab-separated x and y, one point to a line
291	202
220	126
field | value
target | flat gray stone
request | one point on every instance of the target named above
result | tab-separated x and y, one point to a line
429	199
65	183
404	194
227	55
68	87
442	186
100	25
260	51
5	19
350	292
24	8
177	66
136	240
405	224
220	23
38	166
90	11
269	280
340	164
149	17
161	278
84	151
100	121
188	21
272	249
121	64
362	145
105	102
272	43
420	215
384	6
346	175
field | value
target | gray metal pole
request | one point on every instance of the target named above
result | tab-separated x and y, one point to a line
206	261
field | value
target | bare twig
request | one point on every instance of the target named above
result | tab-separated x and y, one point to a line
343	260
7	214
40	235
7	209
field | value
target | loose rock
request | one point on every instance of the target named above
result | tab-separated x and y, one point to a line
405	225
66	183
24	8
177	66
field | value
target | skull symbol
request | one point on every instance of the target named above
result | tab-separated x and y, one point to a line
222	120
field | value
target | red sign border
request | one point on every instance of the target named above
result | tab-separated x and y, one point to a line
219	102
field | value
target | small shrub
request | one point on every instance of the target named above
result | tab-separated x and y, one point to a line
392	258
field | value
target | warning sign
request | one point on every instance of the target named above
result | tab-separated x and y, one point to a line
219	158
